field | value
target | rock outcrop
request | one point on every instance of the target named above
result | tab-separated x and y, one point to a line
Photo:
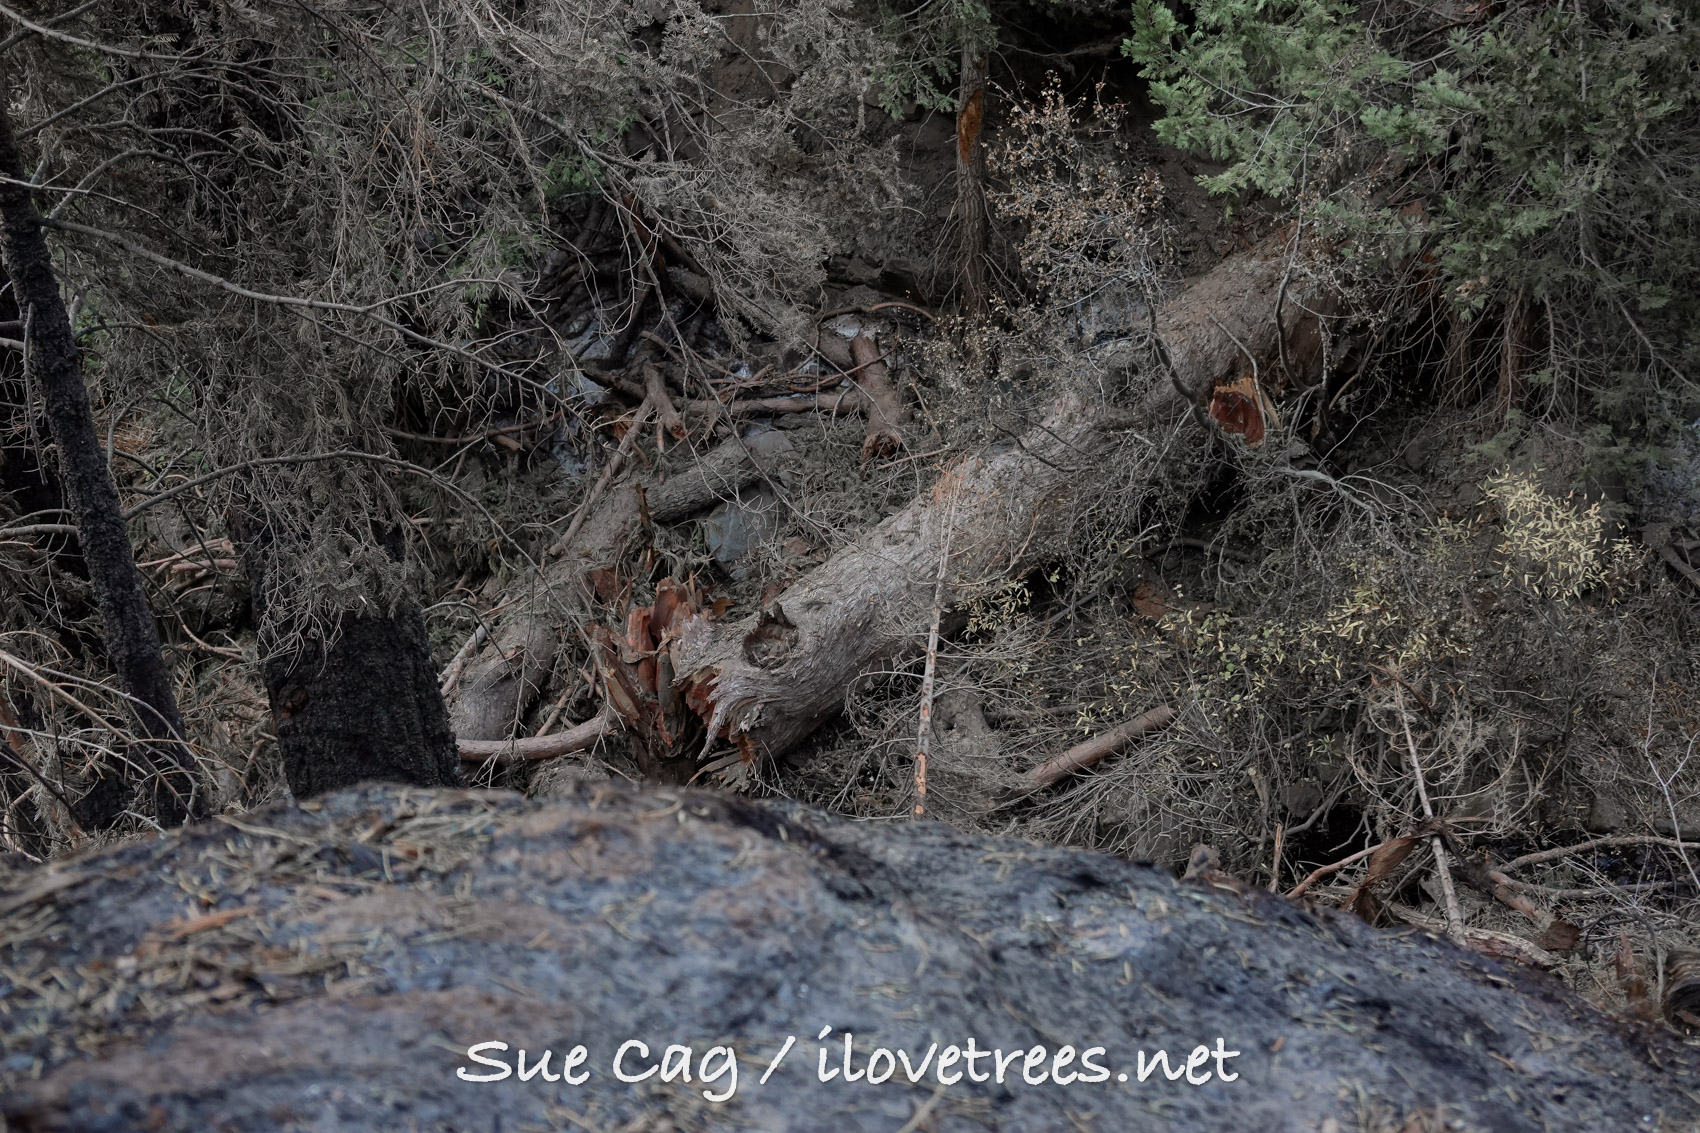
327	968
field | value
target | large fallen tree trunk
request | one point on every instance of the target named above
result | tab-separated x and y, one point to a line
766	682
328	969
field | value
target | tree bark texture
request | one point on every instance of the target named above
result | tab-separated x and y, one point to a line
132	639
367	707
971	180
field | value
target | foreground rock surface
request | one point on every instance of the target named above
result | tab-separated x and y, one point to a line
326	969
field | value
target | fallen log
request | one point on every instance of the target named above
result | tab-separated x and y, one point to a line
338	962
766	682
503	680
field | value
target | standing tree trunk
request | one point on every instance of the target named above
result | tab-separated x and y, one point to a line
365	707
132	640
362	704
971	181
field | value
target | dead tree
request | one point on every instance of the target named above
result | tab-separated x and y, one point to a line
766	682
354	695
53	366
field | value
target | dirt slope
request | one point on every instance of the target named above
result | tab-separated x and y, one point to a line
326	969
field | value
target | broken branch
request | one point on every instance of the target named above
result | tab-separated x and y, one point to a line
655	390
885	407
503	752
1084	755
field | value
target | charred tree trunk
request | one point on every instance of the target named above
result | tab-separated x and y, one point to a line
360	705
27	483
132	639
365	707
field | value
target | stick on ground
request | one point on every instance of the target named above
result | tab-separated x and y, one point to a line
1084	755
576	738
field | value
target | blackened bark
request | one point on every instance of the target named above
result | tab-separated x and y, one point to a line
26	481
366	708
132	640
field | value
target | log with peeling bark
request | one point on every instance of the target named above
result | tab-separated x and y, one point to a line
885	406
766	682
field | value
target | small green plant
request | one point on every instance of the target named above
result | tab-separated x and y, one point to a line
1534	164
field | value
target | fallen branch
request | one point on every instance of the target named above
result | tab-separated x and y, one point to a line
451	675
1454	916
38	529
1085	754
924	733
1485	941
601	485
1554	854
845	401
655	390
1668	553
499	434
504	752
1321	872
885	407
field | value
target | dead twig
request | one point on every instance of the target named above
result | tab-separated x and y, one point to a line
1614	841
1321	872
